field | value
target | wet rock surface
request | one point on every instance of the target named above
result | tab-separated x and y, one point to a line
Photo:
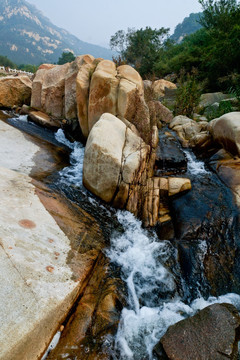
206	224
89	331
170	158
50	220
227	167
203	224
212	334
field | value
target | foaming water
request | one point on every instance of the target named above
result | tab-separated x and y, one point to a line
72	174
195	166
23	118
52	345
146	318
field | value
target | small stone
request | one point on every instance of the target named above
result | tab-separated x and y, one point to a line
50	268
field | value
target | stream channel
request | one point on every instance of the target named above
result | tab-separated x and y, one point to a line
168	279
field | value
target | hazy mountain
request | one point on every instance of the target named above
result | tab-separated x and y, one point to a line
189	25
27	36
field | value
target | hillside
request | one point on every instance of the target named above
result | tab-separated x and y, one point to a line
27	36
188	26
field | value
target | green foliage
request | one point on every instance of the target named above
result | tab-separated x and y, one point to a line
235	91
188	94
219	14
224	108
214	49
28	68
140	48
119	41
4	61
66	57
189	26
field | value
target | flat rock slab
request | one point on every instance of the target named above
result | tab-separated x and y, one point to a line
28	155
37	288
16	153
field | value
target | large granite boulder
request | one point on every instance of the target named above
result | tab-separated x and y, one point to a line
87	88
113	155
227	167
209	99
103	92
131	102
159	113
54	88
226	132
160	85
190	132
49	89
15	91
118	168
118	91
82	92
212	334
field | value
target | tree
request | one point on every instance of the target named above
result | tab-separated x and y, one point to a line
28	67
219	15
4	61
66	57
140	48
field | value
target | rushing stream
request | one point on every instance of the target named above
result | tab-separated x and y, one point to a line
158	293
153	299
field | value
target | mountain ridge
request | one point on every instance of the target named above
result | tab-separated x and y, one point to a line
28	36
189	25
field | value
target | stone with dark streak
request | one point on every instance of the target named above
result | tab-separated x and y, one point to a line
170	158
212	334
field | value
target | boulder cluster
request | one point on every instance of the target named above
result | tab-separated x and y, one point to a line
118	124
118	115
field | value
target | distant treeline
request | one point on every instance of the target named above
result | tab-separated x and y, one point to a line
4	61
214	50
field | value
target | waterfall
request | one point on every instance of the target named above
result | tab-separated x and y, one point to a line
72	174
146	318
195	166
154	302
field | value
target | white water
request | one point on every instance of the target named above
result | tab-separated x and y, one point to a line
195	166
72	174
147	317
22	118
141	257
52	345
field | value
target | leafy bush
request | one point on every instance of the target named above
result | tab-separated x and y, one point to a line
188	94
224	108
66	57
4	61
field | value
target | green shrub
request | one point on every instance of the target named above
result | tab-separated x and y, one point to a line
188	94
224	108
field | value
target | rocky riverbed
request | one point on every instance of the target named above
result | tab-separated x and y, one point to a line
109	242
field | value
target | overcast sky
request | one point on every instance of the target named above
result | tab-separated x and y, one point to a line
95	21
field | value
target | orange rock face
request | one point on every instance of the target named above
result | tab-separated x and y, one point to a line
15	91
96	316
